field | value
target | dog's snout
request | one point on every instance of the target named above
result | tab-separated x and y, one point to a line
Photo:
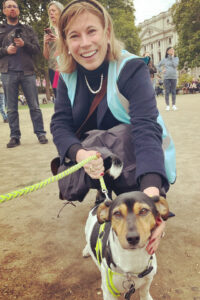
133	238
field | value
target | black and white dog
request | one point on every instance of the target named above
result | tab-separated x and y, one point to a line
117	233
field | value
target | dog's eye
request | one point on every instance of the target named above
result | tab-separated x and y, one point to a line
117	214
143	212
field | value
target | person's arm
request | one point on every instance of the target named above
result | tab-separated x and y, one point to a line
63	131
46	47
159	66
6	48
62	125
135	84
31	43
175	61
48	38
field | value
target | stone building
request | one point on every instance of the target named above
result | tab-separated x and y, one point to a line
157	34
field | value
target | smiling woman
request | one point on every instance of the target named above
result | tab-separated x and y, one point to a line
95	74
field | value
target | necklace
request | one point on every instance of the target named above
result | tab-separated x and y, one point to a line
89	87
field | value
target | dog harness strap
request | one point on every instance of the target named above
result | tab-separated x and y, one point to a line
110	285
98	247
109	272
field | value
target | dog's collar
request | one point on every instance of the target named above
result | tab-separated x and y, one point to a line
146	271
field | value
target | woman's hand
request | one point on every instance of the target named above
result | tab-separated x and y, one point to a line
156	235
160	224
95	168
49	38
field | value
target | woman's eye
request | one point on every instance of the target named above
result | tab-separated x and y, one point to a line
92	31
143	212
73	36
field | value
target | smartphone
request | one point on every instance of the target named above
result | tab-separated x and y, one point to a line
48	31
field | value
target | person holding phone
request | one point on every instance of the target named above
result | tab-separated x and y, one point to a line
49	51
18	46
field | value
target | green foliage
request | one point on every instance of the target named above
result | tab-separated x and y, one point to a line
184	78
122	13
186	17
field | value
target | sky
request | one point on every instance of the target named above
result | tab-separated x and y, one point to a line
145	9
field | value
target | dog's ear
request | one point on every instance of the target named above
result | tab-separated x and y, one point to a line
161	206
103	211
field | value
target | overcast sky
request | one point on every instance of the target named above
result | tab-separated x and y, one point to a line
145	9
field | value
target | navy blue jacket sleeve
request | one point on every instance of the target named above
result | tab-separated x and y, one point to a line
62	124
135	84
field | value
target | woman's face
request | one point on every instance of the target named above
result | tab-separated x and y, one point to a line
171	51
54	14
87	41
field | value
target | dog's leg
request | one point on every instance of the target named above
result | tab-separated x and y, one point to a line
86	252
144	290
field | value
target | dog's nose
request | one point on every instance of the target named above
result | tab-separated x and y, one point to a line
133	238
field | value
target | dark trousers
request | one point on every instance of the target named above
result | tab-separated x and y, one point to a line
170	86
51	77
11	82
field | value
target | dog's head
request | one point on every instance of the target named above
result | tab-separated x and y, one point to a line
133	216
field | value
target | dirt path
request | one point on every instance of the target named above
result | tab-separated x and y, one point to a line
41	255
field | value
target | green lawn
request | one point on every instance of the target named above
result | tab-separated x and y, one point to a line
49	105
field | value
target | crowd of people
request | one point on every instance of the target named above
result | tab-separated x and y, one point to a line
192	87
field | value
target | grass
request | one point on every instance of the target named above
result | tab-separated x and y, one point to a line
48	105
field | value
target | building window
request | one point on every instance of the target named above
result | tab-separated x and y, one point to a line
152	57
158	43
159	55
145	48
151	46
170	41
167	21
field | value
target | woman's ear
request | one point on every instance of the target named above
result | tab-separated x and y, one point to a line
103	211
161	206
108	34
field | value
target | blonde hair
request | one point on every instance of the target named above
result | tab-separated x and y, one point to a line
58	5
67	63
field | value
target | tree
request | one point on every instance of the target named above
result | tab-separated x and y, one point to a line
186	17
122	13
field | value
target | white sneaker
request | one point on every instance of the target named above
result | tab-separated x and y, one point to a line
174	107
167	107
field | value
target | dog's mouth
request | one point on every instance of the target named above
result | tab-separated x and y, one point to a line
133	247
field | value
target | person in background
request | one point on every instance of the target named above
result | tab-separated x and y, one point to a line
49	50
168	66
152	69
18	44
89	55
2	103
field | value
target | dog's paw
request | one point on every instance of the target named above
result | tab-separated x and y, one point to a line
86	252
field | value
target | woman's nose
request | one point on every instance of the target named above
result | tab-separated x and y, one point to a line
85	41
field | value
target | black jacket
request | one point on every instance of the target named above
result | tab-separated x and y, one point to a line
31	46
135	84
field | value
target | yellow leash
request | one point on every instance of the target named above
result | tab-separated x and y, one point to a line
41	184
